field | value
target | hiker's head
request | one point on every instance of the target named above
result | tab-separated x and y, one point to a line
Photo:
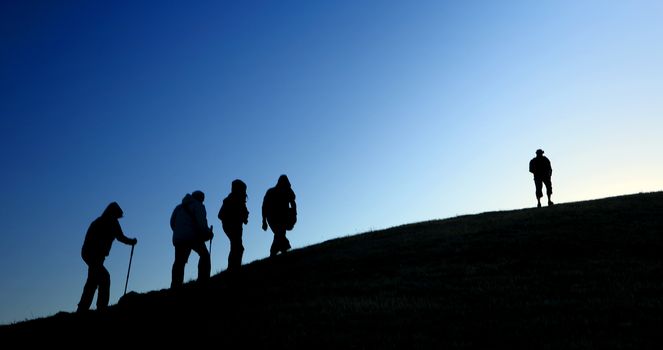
113	210
198	195
283	181
539	152
238	186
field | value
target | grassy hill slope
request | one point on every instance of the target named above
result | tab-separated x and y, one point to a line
577	275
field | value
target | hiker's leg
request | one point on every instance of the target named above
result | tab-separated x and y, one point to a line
204	262
89	289
280	242
104	288
549	191
538	185
274	249
236	251
182	253
285	243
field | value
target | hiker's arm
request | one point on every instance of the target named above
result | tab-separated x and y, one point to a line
264	213
201	220
122	238
201	217
129	241
293	204
172	219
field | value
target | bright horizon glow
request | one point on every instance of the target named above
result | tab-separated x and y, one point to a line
381	113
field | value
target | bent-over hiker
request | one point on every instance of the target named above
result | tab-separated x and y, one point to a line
97	245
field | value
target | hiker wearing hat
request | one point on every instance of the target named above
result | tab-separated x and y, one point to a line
190	232
540	167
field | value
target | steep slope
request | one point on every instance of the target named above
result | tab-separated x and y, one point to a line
576	275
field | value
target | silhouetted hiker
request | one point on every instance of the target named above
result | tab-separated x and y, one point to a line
540	167
98	241
233	214
190	232
280	211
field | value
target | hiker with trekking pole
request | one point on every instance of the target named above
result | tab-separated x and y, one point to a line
97	245
190	232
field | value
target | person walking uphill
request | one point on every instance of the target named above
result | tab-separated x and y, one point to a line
190	232
97	245
542	170
233	214
279	210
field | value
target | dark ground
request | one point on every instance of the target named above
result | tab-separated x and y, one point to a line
586	275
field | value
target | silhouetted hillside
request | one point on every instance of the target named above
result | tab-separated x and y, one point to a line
577	275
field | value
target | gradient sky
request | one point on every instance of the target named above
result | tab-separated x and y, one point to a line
380	112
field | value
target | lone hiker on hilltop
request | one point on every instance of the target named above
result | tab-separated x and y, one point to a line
540	167
279	209
233	214
98	242
190	232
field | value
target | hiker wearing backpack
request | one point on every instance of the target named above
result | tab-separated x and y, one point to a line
279	210
233	214
542	170
190	232
97	245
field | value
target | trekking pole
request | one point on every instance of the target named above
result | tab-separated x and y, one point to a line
130	258
211	229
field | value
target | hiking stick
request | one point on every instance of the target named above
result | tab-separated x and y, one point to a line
130	258
211	229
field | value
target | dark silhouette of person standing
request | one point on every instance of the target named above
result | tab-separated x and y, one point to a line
542	170
279	210
97	245
190	232
233	214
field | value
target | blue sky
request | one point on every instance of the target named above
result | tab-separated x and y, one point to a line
380	112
